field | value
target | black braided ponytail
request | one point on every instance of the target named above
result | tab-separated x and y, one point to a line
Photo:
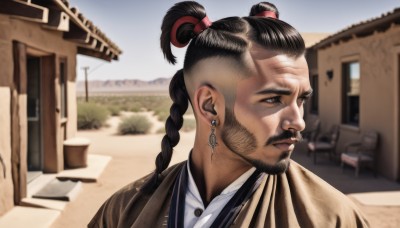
180	98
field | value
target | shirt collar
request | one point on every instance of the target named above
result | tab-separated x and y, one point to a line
231	188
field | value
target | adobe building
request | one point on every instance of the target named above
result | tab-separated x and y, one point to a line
355	76
39	42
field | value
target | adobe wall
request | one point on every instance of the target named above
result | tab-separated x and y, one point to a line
377	89
33	35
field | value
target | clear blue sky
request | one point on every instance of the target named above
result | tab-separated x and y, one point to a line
135	27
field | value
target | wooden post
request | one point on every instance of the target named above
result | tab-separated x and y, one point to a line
19	124
86	68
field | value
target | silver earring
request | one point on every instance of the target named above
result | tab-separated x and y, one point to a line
212	139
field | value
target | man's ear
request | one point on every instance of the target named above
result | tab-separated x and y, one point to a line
205	100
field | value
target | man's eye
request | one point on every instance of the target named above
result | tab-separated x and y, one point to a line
272	100
303	100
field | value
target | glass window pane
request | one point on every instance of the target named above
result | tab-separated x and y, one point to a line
351	80
354	78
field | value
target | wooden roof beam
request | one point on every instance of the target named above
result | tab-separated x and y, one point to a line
93	53
100	46
58	20
77	34
24	10
93	42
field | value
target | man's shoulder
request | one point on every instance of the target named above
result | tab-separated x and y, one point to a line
310	184
134	188
130	199
321	197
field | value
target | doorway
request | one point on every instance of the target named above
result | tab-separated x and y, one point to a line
398	116
34	112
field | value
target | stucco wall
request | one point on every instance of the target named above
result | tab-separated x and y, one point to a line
377	92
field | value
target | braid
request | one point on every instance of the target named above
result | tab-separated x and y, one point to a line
179	96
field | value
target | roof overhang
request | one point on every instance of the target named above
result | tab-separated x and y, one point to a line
362	29
57	15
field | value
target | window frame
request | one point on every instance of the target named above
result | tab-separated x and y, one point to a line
314	107
347	115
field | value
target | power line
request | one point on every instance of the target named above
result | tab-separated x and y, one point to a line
97	67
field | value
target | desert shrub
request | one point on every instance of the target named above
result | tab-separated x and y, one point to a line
188	125
134	107
162	115
135	124
114	110
91	116
161	130
159	104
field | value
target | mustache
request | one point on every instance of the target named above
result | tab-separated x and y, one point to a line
285	135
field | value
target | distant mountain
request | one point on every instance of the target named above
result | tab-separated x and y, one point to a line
126	85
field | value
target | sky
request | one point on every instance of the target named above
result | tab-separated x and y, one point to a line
135	27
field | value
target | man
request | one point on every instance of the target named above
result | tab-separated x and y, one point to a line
247	81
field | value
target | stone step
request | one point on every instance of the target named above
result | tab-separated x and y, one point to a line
22	217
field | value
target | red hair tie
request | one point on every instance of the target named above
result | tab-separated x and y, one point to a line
267	14
199	26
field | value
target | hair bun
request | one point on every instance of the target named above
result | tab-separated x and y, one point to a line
198	27
179	25
267	14
264	9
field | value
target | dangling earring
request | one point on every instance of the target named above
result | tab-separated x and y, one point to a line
212	139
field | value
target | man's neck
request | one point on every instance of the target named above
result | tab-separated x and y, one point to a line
213	176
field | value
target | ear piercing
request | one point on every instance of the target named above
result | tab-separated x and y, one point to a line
212	139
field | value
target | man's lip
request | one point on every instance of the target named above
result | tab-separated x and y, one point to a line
286	141
284	146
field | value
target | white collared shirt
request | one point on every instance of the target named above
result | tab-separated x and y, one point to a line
195	213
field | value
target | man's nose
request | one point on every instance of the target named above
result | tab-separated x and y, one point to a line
293	118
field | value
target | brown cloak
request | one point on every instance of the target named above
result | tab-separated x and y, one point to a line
297	198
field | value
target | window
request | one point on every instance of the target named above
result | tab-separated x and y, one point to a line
351	93
63	88
314	97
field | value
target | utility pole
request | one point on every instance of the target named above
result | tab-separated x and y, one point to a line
86	68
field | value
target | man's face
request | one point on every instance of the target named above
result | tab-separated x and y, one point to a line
267	117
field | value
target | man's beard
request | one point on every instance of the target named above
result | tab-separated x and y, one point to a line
239	140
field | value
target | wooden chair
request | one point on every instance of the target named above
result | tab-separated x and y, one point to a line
362	153
312	130
325	143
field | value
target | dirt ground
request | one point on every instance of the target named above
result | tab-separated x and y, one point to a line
133	157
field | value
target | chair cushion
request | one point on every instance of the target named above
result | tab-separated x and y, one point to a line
354	158
319	146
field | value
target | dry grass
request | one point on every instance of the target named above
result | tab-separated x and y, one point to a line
134	102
